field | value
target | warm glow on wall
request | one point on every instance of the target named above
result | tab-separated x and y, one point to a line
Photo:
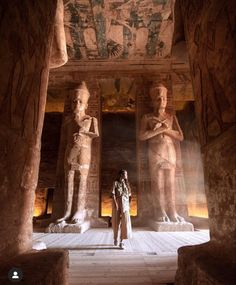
106	209
40	202
198	210
38	211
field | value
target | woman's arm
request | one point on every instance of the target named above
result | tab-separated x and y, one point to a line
113	194
129	189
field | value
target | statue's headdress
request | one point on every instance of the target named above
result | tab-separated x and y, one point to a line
82	87
156	87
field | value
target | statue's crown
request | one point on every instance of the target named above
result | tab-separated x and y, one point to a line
155	86
82	87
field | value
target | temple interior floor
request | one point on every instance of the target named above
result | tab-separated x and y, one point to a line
149	258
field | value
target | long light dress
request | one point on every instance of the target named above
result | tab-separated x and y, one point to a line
121	216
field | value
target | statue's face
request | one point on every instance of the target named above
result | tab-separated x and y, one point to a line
160	99
79	101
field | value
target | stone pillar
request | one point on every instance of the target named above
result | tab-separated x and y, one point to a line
145	206
92	206
26	29
209	29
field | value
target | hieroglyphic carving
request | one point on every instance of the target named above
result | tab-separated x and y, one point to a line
211	47
214	95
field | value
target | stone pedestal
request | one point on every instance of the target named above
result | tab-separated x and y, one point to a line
208	263
64	227
99	223
171	226
48	266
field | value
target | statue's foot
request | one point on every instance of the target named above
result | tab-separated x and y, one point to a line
77	218
76	221
64	218
176	218
163	218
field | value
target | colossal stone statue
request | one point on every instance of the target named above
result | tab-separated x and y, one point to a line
161	129
80	130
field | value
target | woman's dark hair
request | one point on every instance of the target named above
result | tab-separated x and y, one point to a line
121	172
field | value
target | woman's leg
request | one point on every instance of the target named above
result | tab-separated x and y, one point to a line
126	230
115	222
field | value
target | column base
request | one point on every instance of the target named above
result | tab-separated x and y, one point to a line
171	226
65	227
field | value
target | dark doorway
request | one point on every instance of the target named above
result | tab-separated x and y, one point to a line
118	152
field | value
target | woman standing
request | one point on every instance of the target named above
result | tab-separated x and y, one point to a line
121	196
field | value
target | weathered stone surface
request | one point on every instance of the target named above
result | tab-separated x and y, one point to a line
171	226
211	46
58	56
39	268
26	30
211	42
65	227
220	174
213	72
207	263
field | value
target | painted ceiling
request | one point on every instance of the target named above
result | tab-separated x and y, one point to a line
118	29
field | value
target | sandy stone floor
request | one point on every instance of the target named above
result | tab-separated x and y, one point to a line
149	258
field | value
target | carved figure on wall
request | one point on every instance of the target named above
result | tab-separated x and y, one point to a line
161	129
80	129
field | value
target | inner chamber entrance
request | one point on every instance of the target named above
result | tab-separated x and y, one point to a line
118	152
118	135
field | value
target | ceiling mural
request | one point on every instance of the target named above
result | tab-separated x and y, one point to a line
118	29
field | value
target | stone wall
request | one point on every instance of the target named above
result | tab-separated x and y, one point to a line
211	43
49	150
211	46
40	204
26	29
